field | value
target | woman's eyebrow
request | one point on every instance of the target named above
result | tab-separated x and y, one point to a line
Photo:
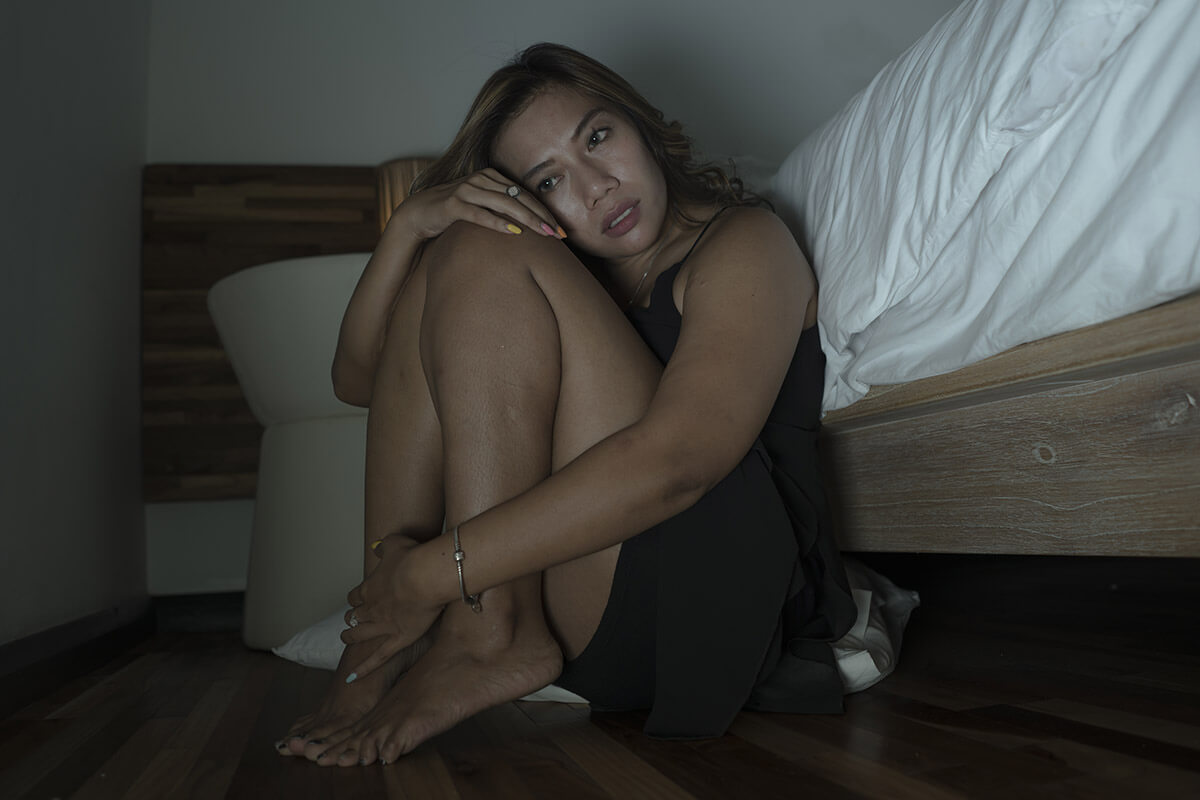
583	123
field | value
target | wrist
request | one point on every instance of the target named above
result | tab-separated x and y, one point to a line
433	573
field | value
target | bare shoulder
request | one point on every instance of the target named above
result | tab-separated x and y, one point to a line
750	238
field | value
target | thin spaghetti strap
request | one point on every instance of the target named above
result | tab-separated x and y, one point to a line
703	231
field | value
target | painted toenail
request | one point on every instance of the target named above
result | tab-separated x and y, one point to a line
351	677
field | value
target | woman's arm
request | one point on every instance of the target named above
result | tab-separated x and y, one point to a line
479	198
364	326
741	321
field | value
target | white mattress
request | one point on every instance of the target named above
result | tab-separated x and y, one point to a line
1025	169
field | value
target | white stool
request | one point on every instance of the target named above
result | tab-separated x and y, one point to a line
279	324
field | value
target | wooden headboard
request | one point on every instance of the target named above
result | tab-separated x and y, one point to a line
199	224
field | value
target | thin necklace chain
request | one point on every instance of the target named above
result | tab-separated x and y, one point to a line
638	290
642	281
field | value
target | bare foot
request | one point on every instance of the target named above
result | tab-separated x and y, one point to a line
347	703
456	679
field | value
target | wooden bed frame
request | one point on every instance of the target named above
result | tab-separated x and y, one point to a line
1083	443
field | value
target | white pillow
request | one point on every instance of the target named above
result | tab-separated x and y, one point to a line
875	193
320	645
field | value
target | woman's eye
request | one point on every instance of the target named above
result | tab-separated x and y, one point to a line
547	184
598	136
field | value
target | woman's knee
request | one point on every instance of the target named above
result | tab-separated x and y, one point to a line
465	251
483	307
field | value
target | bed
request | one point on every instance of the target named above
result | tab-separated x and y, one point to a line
1006	227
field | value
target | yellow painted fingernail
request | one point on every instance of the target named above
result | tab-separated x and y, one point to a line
561	232
375	544
512	228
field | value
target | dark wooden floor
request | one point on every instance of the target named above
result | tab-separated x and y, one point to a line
1019	677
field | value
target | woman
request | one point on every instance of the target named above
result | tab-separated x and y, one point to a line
631	510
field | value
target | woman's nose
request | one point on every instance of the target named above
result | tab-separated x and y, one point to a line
599	183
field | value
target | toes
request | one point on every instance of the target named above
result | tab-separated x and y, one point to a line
368	753
314	748
295	744
326	747
292	743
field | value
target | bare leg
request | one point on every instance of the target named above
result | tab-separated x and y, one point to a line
403	495
529	363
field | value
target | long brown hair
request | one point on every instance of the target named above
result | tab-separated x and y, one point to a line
511	89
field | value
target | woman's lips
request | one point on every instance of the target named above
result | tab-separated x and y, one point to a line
621	220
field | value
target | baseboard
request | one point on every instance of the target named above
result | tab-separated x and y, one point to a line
38	664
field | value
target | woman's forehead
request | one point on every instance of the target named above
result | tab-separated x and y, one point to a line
553	118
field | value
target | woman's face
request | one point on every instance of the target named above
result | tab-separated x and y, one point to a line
586	162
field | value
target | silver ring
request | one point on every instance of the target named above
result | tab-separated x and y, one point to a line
353	619
513	191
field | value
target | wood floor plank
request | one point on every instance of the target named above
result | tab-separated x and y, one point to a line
119	708
73	768
1121	775
480	766
720	768
115	776
534	750
421	775
214	768
1043	726
964	739
858	773
614	769
1183	735
171	764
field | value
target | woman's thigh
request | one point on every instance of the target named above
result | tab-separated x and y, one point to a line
606	376
404	489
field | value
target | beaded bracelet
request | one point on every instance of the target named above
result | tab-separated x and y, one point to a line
470	599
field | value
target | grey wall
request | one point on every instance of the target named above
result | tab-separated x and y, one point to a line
363	81
74	100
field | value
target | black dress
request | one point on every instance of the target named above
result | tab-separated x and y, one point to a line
731	603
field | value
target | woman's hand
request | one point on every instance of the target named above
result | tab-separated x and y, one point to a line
485	198
386	608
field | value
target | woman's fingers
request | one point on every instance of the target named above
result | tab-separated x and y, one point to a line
380	656
493	191
365	631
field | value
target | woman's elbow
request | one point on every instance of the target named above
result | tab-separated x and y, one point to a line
690	473
349	385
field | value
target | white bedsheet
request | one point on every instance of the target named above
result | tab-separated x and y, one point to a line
1083	207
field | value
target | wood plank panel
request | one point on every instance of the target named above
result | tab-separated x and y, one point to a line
200	224
1104	466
